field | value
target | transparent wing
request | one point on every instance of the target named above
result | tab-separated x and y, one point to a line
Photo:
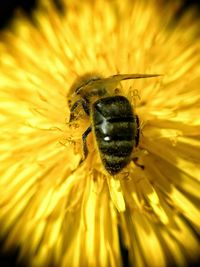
121	77
112	81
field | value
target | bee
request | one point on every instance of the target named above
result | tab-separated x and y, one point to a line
113	121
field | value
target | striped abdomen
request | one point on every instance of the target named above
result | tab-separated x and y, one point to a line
115	130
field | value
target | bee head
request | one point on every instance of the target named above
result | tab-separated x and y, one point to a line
81	87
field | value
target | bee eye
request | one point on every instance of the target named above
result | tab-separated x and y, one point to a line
117	91
69	103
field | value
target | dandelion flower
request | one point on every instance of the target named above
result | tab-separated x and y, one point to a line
63	214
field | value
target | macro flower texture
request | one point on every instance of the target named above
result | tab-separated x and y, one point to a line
59	212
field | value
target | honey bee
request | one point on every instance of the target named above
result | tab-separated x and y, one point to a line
113	122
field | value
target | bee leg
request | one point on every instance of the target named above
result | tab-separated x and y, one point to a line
135	160
84	137
137	137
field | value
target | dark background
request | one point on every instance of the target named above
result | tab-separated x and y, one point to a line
7	9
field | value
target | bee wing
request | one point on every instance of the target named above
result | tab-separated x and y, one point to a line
108	83
112	81
121	77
